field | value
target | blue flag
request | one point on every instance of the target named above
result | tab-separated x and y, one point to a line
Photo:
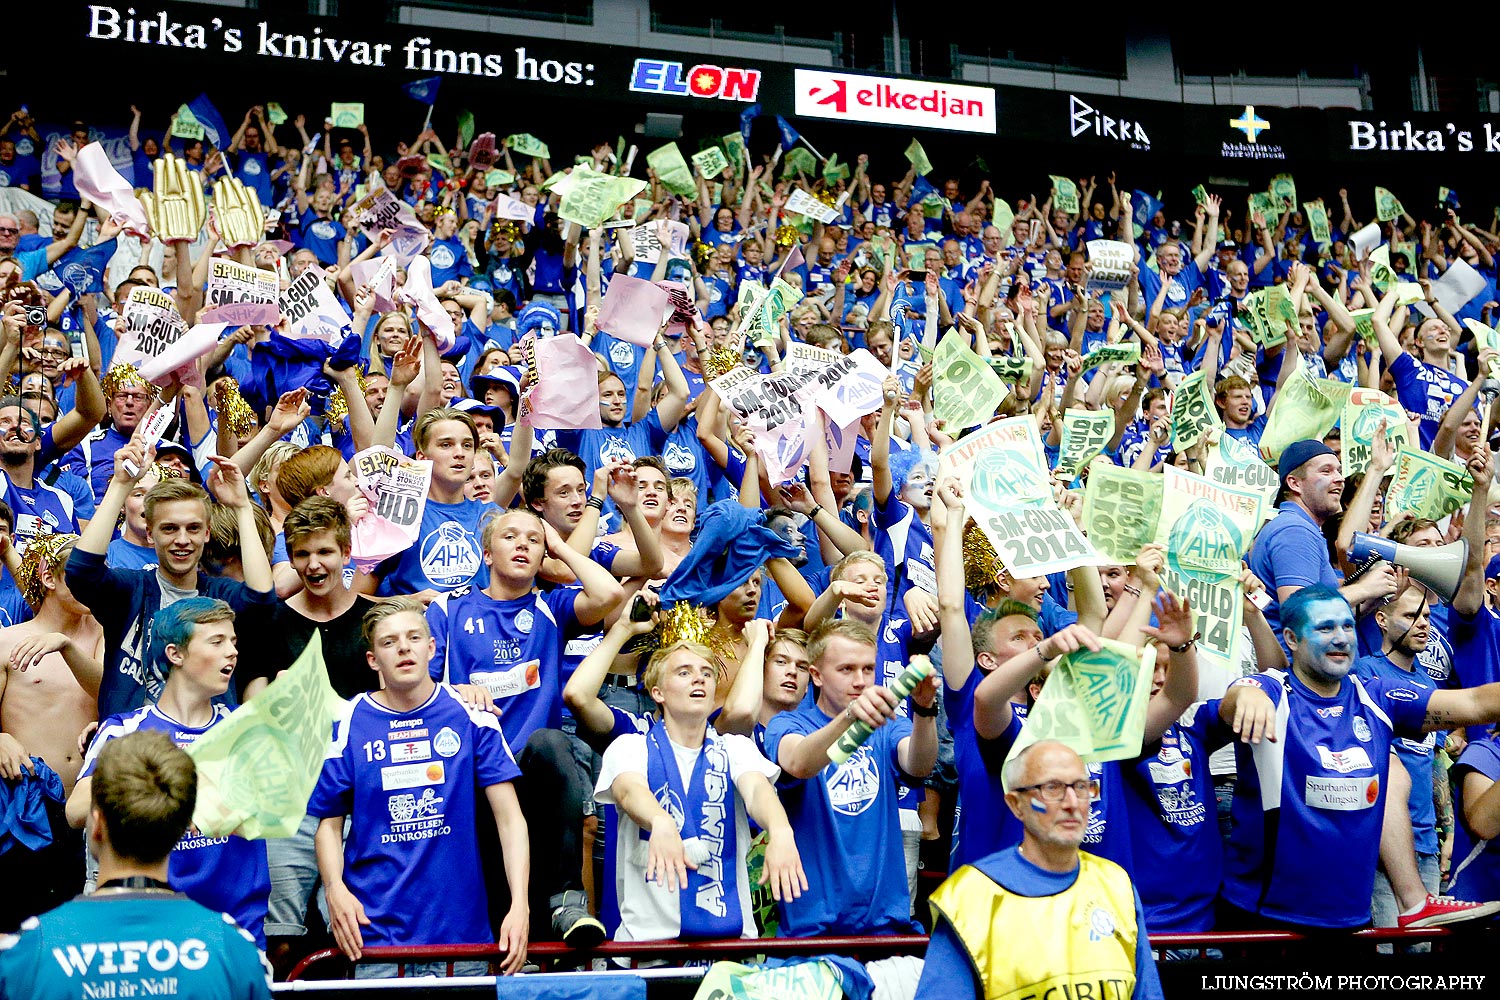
1144	207
424	91
746	117
920	188
789	135
82	270
214	130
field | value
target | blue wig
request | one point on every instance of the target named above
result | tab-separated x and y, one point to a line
903	462
173	626
1296	609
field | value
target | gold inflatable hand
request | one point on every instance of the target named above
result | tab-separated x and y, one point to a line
241	220
175	208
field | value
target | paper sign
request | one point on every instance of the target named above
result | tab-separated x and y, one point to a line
1458	286
734	148
918	157
646	246
632	310
1064	195
180	357
1485	337
1365	240
101	183
396	486
418	293
312	311
347	115
274	114
1009	495
257	768
590	198
710	162
1193	411
380	275
1109	265
966	390
1200	195
1387	206
382	210
566	395
1426	486
1085	433
1122	509
527	144
186	126
152	324
1284	190
515	209
240	295
1012	370
1094	702
1359	422
1306	408
1232	462
672	170
1317	221
802	202
1127	353
798	161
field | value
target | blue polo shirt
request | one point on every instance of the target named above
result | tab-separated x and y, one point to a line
1290	551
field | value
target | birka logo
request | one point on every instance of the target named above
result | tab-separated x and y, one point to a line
1083	118
881	101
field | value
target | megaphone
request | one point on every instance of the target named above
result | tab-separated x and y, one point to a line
1439	568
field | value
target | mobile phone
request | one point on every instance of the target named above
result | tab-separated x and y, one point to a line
917	274
640	610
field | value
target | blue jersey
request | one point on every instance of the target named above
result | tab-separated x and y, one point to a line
321	236
123	554
449	261
1476	654
42	509
982	822
254	171
1174	834
512	649
1427	391
857	874
1320	783
1415	754
408	781
132	944
228	874
1476	860
905	543
447	554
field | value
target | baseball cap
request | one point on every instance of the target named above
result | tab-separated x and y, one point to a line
1298	454
473	406
506	375
1492	570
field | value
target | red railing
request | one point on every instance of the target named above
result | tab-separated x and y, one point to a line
544	953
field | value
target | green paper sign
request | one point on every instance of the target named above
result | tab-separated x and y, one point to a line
918	157
711	162
1085	433
274	114
672	170
351	115
1064	195
967	391
1387	206
528	145
1426	486
1193	411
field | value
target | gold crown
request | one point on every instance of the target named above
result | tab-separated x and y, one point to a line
49	547
121	375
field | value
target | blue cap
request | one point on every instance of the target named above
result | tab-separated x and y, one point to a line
505	375
1493	569
1298	454
537	316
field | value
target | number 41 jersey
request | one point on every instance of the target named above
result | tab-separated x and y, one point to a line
408	780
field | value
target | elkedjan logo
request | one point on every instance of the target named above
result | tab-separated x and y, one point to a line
838	97
1250	123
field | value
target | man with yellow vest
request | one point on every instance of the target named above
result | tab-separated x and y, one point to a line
1044	918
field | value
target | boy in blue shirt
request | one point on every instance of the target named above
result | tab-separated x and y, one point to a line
404	766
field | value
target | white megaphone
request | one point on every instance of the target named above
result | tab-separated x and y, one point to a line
1440	568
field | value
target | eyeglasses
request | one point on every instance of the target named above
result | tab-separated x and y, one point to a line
8	230
56	353
1054	791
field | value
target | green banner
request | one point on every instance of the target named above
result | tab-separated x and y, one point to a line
1268	312
1307	407
1094	702
1359	422
1387	206
347	115
1128	352
734	148
257	768
1009	495
967	391
711	162
1085	433
798	161
591	199
1193	411
1233	463
528	145
1266	204
1005	218
672	170
1284	190
1317	221
1121	509
1011	369
918	157
1426	486
1364	326
1064	195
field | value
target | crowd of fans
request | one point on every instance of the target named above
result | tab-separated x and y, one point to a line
638	639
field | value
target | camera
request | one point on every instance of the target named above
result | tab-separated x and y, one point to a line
36	317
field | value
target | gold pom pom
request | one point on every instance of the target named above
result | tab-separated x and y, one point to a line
827	197
338	406
720	361
982	568
49	548
122	375
682	622
233	411
704	252
786	236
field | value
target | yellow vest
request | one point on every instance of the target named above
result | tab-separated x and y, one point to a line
1078	943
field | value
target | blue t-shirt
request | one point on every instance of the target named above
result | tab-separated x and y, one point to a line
115	944
1416	755
22	171
1427	391
1476	653
1174	833
407	781
321	236
1180	287
1320	783
1290	551
982	822
40	510
857	873
1476	869
449	261
513	649
447	553
123	554
228	874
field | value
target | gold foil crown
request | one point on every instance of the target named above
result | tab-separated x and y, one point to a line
121	375
51	548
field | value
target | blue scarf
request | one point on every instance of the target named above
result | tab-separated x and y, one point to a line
710	903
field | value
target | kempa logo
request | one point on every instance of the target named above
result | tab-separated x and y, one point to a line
1083	117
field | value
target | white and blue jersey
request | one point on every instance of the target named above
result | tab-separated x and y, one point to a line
227	874
1320	782
447	554
43	509
407	781
513	649
905	543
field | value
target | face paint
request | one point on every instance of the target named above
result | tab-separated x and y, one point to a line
1038	806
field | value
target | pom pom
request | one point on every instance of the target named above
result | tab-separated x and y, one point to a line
982	568
720	361
786	236
234	413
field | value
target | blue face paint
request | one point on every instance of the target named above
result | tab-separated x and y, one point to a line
1037	806
1329	629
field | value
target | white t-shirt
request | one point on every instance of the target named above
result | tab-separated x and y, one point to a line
649	911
